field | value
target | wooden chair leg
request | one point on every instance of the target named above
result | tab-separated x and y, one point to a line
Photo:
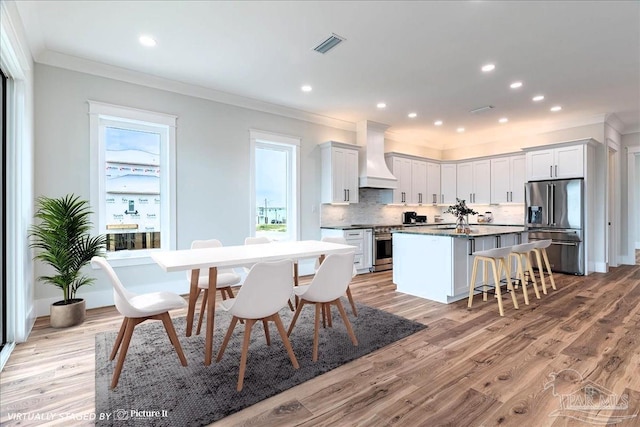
116	345
265	325
285	340
173	336
227	336
203	309
328	312
485	279
295	316
343	313
474	270
131	323
245	349
324	315
353	304
230	293
316	333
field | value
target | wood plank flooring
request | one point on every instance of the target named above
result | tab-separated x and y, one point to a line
469	367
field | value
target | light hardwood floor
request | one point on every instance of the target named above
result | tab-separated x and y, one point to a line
469	367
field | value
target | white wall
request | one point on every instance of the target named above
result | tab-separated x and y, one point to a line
212	164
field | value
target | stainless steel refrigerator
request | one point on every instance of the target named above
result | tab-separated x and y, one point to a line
555	210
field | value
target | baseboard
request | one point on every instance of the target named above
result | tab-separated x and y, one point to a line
5	353
627	260
600	267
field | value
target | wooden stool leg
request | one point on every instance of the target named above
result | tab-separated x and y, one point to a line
485	279
473	282
497	281
546	261
523	280
507	268
533	277
540	270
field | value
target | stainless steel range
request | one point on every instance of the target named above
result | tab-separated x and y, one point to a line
383	246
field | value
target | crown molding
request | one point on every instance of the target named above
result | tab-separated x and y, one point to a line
73	63
615	122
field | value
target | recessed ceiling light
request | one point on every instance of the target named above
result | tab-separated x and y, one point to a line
381	105
515	85
556	108
306	88
413	115
538	98
438	123
147	41
460	130
503	120
488	67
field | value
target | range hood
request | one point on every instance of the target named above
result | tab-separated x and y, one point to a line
374	172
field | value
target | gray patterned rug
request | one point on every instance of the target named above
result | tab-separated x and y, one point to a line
156	390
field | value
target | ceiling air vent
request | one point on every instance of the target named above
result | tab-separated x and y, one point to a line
482	109
329	43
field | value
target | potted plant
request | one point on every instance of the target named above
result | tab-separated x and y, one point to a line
461	211
62	240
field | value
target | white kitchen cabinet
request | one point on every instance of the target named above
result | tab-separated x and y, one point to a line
555	163
362	239
339	172
433	183
507	179
412	179
448	182
474	181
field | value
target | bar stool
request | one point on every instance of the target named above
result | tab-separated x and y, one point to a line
522	253
490	257
540	249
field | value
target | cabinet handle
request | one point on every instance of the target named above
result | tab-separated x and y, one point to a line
442	198
435	198
348	195
470	197
511	192
556	171
344	194
550	171
472	246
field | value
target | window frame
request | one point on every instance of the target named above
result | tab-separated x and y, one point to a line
259	138
102	115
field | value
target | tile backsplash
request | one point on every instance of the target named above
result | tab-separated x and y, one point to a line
373	209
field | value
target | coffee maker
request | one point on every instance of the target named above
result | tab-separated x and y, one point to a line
409	217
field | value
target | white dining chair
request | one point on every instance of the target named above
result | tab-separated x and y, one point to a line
265	291
136	309
260	240
341	240
327	286
226	278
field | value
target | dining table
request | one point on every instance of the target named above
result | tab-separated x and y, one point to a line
235	256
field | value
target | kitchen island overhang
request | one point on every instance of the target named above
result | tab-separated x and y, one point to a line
435	263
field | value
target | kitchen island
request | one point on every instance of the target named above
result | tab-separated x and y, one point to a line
434	262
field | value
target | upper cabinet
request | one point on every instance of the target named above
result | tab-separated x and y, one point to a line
507	179
412	179
555	163
433	183
339	172
474	181
448	181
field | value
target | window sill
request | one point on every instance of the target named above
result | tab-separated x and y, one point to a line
130	258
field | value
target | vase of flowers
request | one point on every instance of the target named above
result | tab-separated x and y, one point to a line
461	211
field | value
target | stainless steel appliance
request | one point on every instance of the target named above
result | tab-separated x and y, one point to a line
409	217
554	210
383	247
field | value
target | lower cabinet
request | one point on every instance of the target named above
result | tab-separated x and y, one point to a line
362	239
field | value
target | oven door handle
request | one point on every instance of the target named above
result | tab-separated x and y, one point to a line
383	237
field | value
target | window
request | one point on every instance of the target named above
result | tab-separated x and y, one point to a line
133	189
275	178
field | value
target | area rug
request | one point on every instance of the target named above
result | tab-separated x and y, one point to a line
156	390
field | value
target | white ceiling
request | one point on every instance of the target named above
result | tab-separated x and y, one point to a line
415	56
